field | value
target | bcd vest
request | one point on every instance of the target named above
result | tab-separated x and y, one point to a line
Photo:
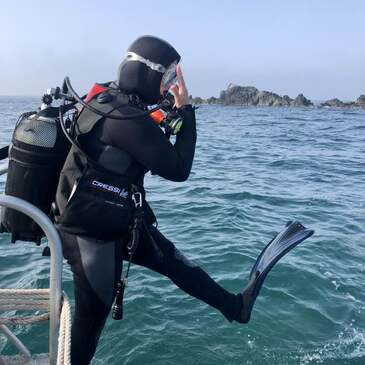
94	194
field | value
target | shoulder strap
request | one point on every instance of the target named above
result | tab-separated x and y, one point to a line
89	119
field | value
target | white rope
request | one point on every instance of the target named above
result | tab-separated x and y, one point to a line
23	306
24	299
22	292
24	320
64	338
38	299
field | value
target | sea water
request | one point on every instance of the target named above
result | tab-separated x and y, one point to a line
254	169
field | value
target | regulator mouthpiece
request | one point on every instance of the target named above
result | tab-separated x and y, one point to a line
170	121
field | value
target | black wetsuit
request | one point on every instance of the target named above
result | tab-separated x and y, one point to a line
97	265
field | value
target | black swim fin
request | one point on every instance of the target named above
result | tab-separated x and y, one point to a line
282	243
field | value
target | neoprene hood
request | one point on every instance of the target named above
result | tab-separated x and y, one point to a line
141	77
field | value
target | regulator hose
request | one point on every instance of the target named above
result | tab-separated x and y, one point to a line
67	87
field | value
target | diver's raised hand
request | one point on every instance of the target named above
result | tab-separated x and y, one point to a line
179	90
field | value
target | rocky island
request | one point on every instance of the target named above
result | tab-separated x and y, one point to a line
336	103
251	96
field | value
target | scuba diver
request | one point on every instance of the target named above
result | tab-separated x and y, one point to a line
115	149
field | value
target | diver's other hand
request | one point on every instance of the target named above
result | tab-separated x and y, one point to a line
179	90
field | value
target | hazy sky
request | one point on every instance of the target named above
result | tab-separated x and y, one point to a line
314	47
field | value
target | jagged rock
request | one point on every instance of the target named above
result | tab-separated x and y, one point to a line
213	100
267	98
337	103
333	103
239	95
251	96
288	99
301	100
361	101
196	100
222	95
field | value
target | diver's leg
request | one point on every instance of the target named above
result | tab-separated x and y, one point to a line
96	266
159	254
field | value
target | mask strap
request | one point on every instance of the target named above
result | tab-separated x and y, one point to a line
132	56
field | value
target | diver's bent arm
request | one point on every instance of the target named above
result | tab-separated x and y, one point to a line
146	142
186	138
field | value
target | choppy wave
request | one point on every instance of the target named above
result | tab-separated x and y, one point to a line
255	168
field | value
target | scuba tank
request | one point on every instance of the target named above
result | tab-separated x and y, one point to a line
39	147
36	154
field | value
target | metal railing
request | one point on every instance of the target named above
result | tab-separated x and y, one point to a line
54	241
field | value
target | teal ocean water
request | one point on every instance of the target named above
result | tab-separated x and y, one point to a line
255	169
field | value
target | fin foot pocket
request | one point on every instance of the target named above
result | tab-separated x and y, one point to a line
293	234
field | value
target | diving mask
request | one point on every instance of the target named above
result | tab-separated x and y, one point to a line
169	78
